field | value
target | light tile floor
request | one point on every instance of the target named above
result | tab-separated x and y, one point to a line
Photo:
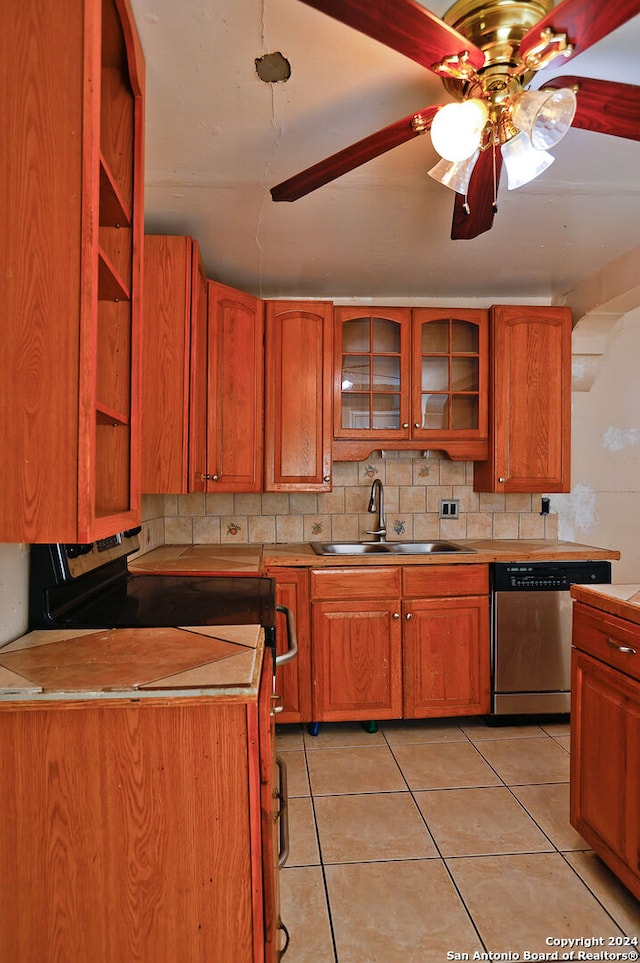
430	840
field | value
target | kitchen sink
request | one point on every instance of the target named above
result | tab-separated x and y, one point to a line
387	548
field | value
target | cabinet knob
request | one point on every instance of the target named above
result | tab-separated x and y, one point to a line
210	477
327	479
417	424
405	424
502	480
396	615
409	615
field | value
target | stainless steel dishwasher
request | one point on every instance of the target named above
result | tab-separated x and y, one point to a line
531	633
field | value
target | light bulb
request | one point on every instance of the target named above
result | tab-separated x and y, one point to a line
456	129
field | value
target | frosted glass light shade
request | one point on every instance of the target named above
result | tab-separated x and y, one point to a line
455	174
523	162
456	129
544	115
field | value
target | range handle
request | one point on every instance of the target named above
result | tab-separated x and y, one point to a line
292	639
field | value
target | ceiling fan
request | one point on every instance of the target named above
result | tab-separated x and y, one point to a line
486	52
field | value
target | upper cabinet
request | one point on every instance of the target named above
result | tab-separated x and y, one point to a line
530	421
410	378
235	393
174	366
70	248
298	396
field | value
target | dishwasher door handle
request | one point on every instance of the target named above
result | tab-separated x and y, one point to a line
292	639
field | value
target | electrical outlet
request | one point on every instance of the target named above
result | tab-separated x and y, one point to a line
448	508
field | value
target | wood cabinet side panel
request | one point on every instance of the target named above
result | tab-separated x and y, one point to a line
124	827
197	462
165	359
41	173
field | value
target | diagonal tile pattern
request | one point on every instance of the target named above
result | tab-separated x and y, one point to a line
429	840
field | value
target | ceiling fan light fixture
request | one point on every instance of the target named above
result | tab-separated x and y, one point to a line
523	162
457	128
544	115
455	174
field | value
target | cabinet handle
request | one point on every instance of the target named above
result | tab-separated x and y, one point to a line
417	424
292	639
502	480
210	477
281	793
409	615
327	479
405	424
621	648
396	615
277	704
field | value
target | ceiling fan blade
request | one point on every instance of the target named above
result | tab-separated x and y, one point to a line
604	106
584	21
404	26
480	199
354	156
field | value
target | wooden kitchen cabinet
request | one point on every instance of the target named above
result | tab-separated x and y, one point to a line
394	642
530	401
139	830
357	644
446	661
298	355
235	390
293	680
605	739
71	246
174	366
410	378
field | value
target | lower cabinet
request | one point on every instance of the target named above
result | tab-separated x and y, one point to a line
139	830
605	740
293	680
392	642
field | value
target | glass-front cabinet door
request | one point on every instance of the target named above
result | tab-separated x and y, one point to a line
372	372
449	391
411	377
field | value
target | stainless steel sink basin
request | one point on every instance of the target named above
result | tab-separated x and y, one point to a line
387	548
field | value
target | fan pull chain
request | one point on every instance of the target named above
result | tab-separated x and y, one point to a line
495	178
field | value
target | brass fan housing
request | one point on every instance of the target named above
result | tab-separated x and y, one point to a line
496	27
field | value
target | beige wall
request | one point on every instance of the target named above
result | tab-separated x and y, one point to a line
14	591
604	505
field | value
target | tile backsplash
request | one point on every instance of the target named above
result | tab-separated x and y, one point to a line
413	487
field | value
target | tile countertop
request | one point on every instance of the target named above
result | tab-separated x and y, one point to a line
253	559
620	600
222	661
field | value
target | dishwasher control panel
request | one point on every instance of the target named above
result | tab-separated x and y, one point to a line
548	576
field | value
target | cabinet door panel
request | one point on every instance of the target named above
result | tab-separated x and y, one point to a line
446	657
298	396
356	660
235	379
529	444
605	764
293	680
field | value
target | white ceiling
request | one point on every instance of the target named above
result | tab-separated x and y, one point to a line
217	138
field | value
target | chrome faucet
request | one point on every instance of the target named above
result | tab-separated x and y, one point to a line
376	504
